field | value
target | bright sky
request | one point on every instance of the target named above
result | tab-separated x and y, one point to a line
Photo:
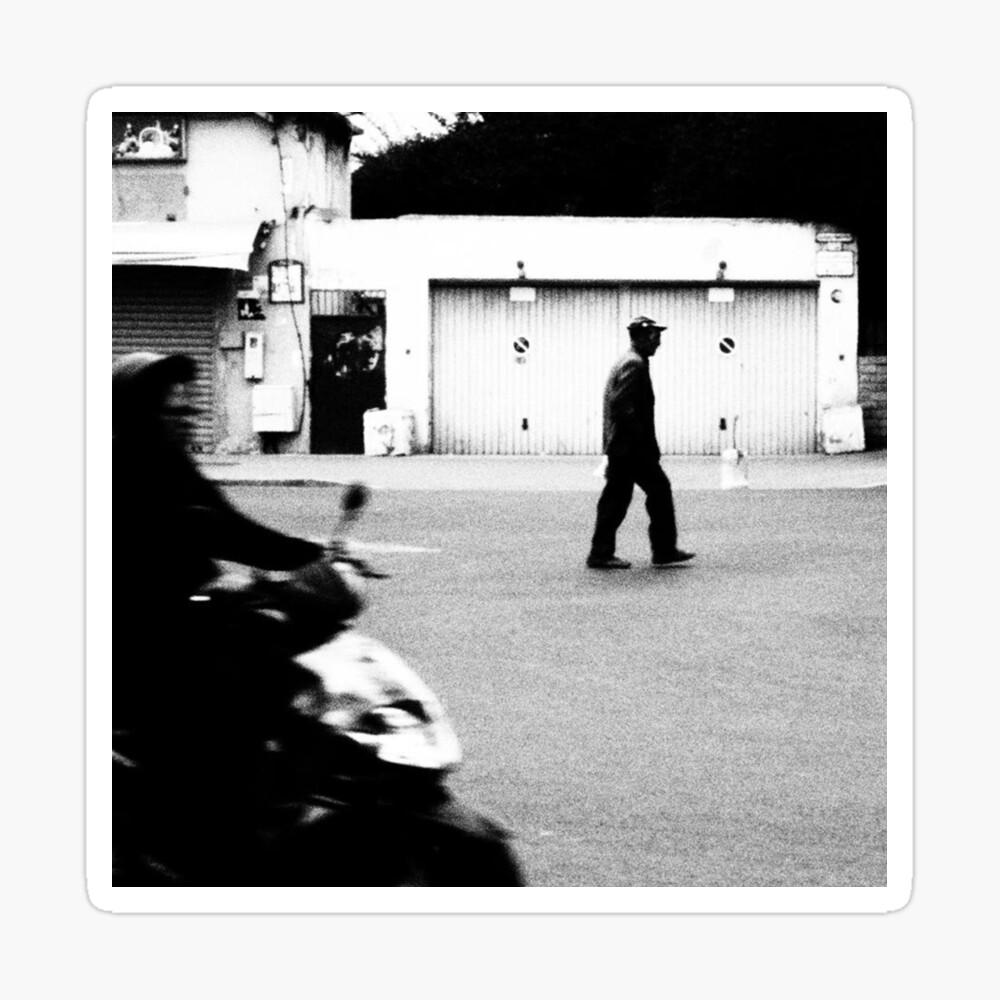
382	127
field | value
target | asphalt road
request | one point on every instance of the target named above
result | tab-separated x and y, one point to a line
721	723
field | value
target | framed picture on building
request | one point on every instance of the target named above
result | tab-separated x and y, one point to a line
150	136
286	281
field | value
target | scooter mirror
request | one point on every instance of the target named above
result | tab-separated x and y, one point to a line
354	499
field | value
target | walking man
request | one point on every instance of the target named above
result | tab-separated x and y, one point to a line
634	456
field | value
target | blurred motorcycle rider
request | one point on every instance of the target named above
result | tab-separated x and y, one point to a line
192	691
170	522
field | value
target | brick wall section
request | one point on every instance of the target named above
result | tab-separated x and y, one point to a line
873	396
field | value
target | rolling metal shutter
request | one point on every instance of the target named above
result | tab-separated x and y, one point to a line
172	310
526	377
767	379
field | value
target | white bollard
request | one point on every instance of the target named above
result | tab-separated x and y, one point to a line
734	469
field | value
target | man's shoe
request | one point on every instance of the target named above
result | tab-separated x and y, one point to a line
672	558
610	562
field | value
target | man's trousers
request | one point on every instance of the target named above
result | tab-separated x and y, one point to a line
623	475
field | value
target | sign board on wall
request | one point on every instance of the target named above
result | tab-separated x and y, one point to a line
519	293
248	306
835	264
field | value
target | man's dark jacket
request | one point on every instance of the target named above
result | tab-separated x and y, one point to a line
629	431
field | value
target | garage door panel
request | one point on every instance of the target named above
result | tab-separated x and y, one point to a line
526	377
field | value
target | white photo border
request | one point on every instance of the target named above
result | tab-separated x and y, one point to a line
895	895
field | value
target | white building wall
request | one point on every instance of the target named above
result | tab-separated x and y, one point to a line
232	171
837	324
402	256
235	171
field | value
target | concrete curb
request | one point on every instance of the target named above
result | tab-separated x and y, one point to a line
575	473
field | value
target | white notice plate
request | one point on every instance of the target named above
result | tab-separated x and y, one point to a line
835	264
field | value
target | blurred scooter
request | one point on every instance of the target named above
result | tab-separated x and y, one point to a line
384	814
353	763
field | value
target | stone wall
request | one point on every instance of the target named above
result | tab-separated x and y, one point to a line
873	397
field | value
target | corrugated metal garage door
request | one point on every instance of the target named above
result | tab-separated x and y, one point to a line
172	310
526	377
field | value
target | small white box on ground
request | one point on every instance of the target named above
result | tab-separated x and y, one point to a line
389	432
273	409
841	429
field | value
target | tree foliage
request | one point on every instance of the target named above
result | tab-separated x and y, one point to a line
825	167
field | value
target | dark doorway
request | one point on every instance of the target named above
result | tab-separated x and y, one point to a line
347	375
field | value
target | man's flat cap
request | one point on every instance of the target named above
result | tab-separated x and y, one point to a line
643	323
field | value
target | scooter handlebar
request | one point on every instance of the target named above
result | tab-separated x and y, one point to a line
337	551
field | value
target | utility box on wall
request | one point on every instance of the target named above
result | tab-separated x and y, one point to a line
274	409
253	356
